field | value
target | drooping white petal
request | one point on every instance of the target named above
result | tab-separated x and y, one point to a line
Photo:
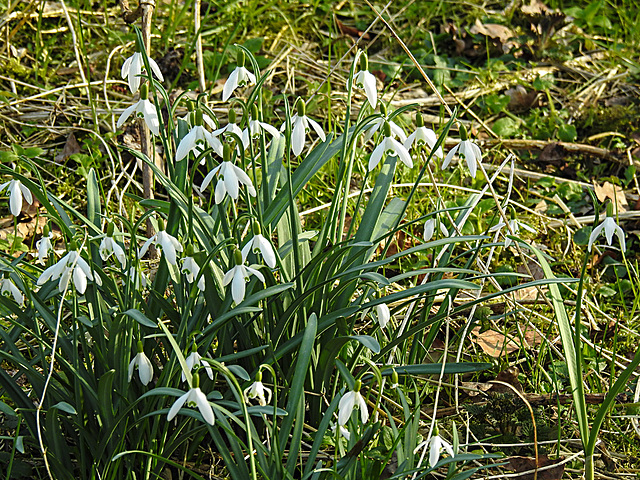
345	407
298	137
126	114
238	284
429	228
383	314
317	128
367	81
203	405
450	155
155	69
9	287
375	157
15	201
230	85
177	405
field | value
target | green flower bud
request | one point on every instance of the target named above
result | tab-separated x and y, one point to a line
189	250
46	230
609	209
259	376
463	133
255	227
383	110
191	105
394	377
386	129
232	115
254	112
300	108
144	91
160	224
357	386
140	346
240	57
199	117
110	229
364	62
419	120
226	153
237	256
195	381
72	245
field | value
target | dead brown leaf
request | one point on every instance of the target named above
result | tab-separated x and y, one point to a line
495	31
70	147
525	464
613	192
496	344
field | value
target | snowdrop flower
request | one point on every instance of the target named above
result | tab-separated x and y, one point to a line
44	245
231	128
514	226
8	288
380	121
138	278
365	80
467	149
238	277
257	392
70	267
240	77
300	126
394	378
168	243
143	364
16	191
194	359
383	314
256	127
343	431
610	227
436	445
193	398
229	179
109	247
259	244
145	108
132	68
423	136
194	141
389	146
429	229
191	269
351	400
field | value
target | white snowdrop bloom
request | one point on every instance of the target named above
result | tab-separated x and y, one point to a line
343	431
70	267
194	359
132	68
383	314
257	392
168	243
366	80
138	278
194	141
610	227
238	277
256	127
392	147
145	108
380	122
423	136
300	127
108	247
429	229
44	246
143	364
191	270
348	402
260	244
8	288
466	149
436	446
240	77
17	191
193	398
229	179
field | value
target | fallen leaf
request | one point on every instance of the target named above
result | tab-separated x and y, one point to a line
520	100
613	192
71	146
495	31
525	464
351	31
496	344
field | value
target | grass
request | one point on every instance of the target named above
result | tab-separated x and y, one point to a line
578	86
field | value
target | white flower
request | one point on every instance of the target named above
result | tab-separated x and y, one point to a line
300	127
467	149
343	431
254	129
147	110
137	278
168	243
16	191
392	147
144	365
44	245
194	359
379	122
610	227
240	77
238	276
260	244
436	445
514	226
367	81
194	141
423	136
71	266
132	68
229	179
257	391
108	246
191	269
383	314
7	287
194	397
348	402
429	228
